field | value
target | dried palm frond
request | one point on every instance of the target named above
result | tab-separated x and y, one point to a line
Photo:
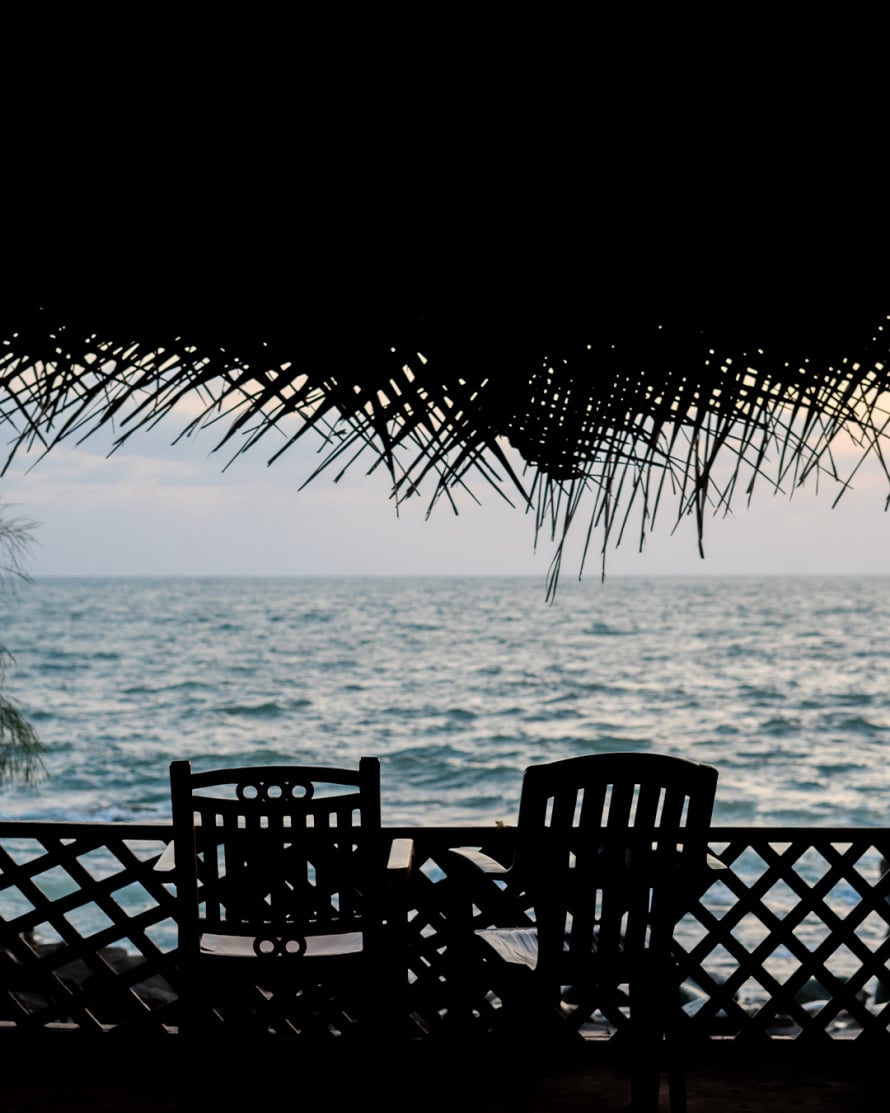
618	412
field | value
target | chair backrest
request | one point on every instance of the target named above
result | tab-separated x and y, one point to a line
275	850
608	846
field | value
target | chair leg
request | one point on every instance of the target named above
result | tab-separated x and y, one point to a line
519	1043
520	1086
677	1090
676	1067
645	1082
646	1032
676	1044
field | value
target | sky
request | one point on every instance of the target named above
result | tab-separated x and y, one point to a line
158	509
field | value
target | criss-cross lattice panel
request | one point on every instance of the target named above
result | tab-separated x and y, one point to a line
791	939
446	989
794	937
87	937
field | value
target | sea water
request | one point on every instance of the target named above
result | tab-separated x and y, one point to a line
457	684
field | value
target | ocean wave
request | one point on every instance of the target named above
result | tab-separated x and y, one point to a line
850	724
269	709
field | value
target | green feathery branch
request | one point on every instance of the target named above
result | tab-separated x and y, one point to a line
21	750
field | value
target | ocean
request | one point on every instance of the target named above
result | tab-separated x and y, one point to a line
457	684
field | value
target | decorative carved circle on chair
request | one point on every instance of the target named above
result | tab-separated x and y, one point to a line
274	790
279	946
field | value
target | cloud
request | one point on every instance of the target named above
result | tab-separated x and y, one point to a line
157	508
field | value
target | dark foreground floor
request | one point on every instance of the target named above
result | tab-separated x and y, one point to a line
47	1080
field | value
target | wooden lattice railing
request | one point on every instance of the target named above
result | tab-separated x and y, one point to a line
791	940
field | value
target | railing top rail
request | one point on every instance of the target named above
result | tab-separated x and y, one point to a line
471	833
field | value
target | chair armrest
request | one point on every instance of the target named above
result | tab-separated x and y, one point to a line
401	856
704	877
483	863
167	860
712	868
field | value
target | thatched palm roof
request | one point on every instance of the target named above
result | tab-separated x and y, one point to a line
625	374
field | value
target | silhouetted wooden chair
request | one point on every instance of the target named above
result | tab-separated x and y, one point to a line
610	850
287	906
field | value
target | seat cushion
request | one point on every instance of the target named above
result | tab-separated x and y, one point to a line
518	946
